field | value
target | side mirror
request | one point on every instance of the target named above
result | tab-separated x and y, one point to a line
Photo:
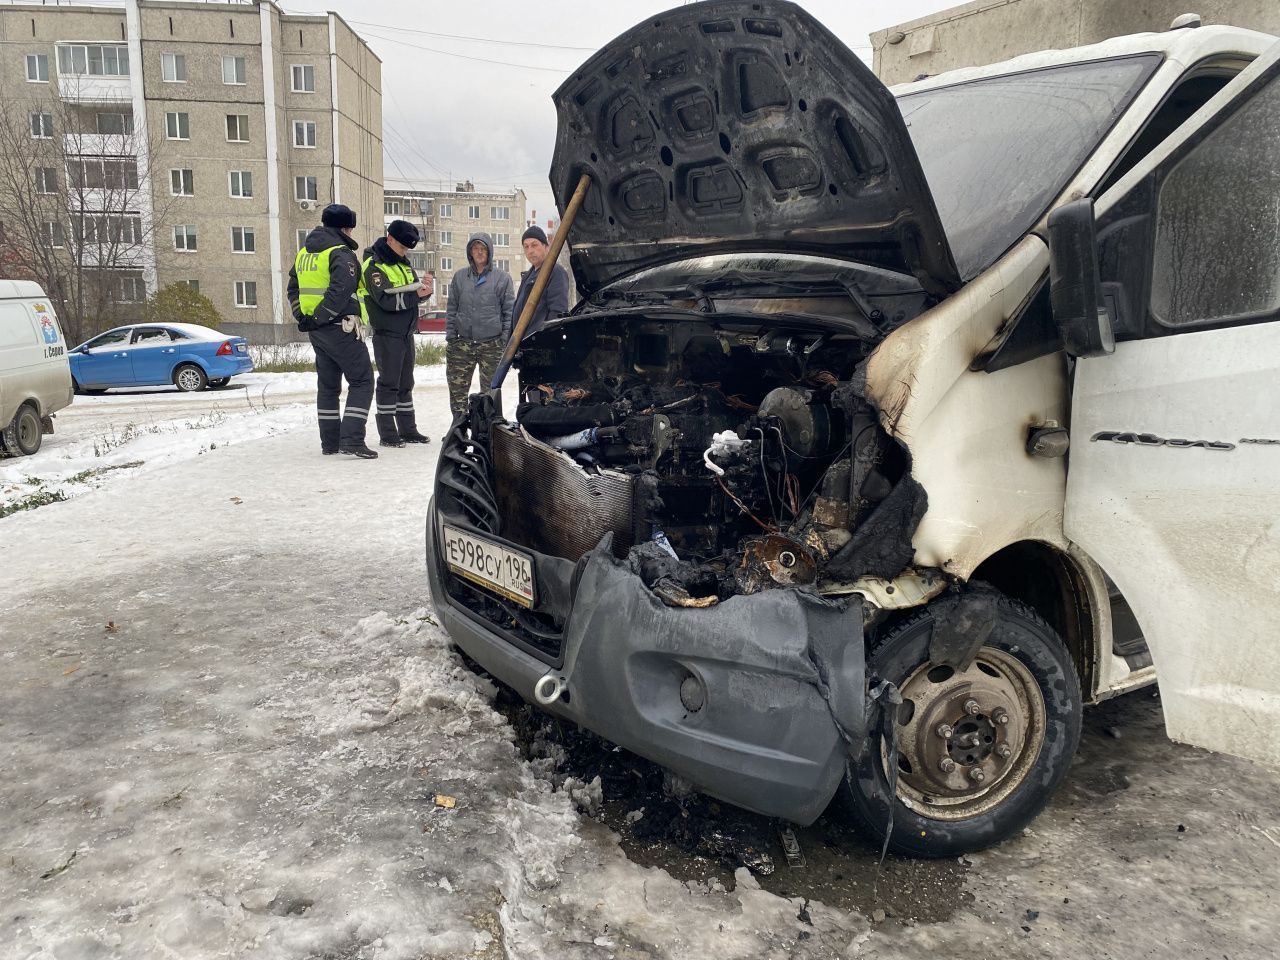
1075	293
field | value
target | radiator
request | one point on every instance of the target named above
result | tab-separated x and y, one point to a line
549	503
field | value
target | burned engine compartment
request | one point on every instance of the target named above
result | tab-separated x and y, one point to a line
725	455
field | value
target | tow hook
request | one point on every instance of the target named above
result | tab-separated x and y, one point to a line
548	688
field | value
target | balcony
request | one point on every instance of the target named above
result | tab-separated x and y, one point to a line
86	88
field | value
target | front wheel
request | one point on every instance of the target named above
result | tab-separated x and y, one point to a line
189	378
980	751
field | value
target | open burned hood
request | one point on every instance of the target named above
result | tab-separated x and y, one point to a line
733	125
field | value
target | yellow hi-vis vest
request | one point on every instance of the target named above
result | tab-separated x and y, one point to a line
400	275
312	270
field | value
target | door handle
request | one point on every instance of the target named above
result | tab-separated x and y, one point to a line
169	350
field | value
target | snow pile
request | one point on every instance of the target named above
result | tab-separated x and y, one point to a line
67	466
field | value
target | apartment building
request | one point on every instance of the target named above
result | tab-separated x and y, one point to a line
447	218
250	120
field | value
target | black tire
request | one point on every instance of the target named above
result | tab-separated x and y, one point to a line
24	433
1019	635
189	378
219	381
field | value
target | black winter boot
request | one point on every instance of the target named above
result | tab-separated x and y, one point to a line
413	436
391	442
358	450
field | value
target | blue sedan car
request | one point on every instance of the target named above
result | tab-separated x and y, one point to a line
186	355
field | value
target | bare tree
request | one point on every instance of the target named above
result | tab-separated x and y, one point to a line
78	207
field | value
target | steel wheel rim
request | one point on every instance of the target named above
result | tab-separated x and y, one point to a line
188	379
998	683
28	429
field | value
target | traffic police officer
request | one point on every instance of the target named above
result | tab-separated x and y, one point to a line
392	292
323	288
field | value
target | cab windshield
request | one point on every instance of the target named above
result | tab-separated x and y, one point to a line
998	151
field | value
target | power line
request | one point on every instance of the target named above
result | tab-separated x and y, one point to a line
407	144
454	36
463	56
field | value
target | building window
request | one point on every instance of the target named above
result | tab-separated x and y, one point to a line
46	180
132	289
233	70
38	67
237	127
182	183
304	133
446	263
446	211
304	78
304	188
504	265
42	126
446	238
177	126
502	239
96	60
184	237
103	173
118	124
391	208
193	284
53	234
302	238
242	240
473	212
499	213
173	67
246	293
98	229
418	260
241	183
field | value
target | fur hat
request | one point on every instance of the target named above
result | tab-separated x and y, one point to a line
338	216
404	232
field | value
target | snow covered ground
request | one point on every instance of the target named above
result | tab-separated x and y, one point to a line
230	727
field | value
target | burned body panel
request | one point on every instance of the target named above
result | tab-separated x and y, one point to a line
732	125
754	701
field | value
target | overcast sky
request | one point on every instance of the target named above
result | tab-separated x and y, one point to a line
489	118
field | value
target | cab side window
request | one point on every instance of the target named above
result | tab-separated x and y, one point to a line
1216	250
108	339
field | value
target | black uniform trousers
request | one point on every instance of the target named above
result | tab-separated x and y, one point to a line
341	355
394	353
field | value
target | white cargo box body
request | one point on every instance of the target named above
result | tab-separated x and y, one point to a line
35	377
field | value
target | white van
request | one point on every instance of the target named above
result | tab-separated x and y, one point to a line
35	378
893	426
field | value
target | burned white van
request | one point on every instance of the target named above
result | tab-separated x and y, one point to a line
893	426
35	378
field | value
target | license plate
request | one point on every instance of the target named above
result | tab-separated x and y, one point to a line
504	571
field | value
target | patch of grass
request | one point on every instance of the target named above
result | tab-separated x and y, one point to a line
428	352
85	475
283	358
40	498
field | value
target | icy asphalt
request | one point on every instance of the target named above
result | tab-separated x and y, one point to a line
229	727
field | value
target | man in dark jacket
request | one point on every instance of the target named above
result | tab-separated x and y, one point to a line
322	293
392	292
555	298
478	323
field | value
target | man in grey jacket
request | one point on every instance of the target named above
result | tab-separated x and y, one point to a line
478	324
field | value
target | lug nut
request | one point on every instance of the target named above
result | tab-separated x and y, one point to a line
1004	751
971	707
948	765
1002	717
944	731
976	775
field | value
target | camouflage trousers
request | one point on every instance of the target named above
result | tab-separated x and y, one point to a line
461	357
